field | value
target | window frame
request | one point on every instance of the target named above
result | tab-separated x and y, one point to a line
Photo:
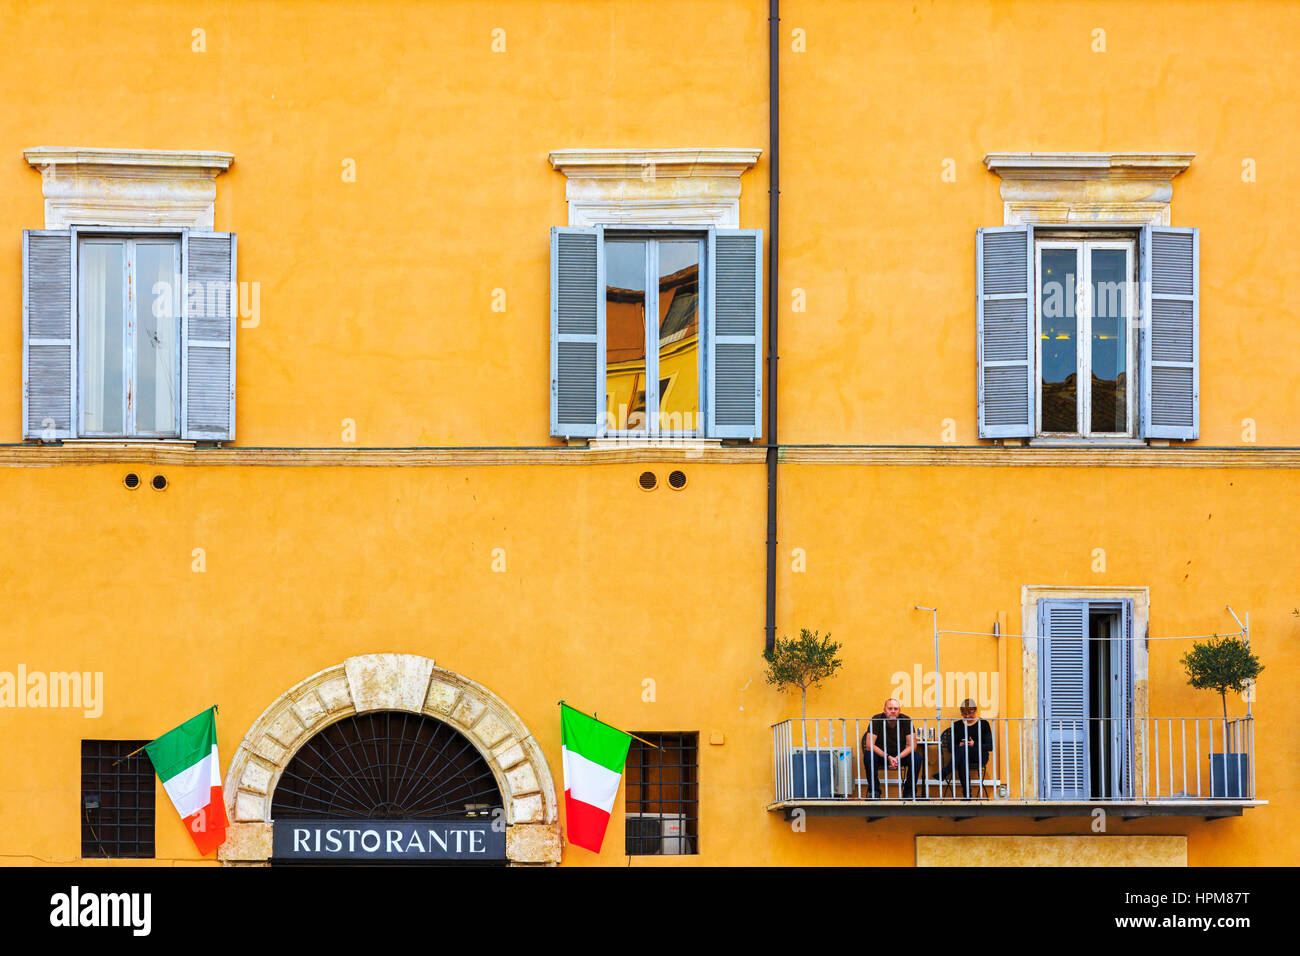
652	236
132	766
1084	244
131	236
687	805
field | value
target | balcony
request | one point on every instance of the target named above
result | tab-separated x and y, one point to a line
1131	767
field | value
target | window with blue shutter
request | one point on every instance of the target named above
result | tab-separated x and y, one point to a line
1075	340
128	333
656	332
49	344
736	347
1171	332
1063	706
211	308
1004	281
577	321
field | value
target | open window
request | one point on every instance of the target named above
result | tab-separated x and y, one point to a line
129	333
1088	334
1086	700
664	324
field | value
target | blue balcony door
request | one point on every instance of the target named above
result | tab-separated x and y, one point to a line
1086	700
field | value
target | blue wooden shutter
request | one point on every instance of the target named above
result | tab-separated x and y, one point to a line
210	309
49	335
735	339
577	331
1063	705
1004	319
1171	347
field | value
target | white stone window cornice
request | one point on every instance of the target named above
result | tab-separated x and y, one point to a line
128	187
654	186
1063	188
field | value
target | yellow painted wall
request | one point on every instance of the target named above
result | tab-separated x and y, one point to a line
376	306
376	296
886	92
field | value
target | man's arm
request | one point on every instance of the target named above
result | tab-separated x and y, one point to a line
911	743
871	744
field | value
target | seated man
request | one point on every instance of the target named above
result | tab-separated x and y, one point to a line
889	746
967	745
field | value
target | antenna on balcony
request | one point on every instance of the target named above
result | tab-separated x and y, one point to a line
938	678
1245	634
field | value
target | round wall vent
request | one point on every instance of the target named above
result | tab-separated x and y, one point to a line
132	480
159	482
677	480
647	481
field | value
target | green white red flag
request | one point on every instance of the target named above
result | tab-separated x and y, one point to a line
190	771
593	758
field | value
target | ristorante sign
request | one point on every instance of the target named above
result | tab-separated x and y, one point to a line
394	841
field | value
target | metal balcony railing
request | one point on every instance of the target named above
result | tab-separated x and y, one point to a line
1146	760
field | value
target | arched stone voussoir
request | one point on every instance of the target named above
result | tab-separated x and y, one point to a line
399	682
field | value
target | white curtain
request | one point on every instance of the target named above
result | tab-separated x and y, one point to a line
101	278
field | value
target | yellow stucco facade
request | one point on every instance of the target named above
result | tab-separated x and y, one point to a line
394	488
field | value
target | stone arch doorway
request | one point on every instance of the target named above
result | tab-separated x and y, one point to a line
401	683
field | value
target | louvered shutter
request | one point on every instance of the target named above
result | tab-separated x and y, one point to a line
211	310
1004	319
577	331
49	339
1063	663
1171	347
735	349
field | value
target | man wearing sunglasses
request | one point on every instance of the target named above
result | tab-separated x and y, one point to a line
968	743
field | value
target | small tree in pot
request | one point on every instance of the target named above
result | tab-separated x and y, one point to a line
802	662
1223	664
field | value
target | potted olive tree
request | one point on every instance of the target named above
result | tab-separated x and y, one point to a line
803	662
1224	664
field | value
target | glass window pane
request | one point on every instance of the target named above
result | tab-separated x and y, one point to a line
1109	340
103	266
1059	278
625	356
155	338
679	335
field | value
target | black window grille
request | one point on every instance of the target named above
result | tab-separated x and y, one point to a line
387	765
663	795
117	800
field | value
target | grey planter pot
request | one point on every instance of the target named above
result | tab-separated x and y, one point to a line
1230	776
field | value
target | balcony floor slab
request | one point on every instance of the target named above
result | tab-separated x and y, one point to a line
871	810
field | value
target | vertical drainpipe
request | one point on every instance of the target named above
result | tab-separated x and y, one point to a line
773	192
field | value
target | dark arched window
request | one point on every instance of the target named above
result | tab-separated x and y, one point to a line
386	765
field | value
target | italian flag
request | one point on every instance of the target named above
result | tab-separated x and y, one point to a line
593	757
187	765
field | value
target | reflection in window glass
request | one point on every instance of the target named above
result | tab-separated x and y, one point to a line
679	335
155	337
103	334
1109	342
1060	272
625	352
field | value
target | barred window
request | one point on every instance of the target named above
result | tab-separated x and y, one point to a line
117	807
663	794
